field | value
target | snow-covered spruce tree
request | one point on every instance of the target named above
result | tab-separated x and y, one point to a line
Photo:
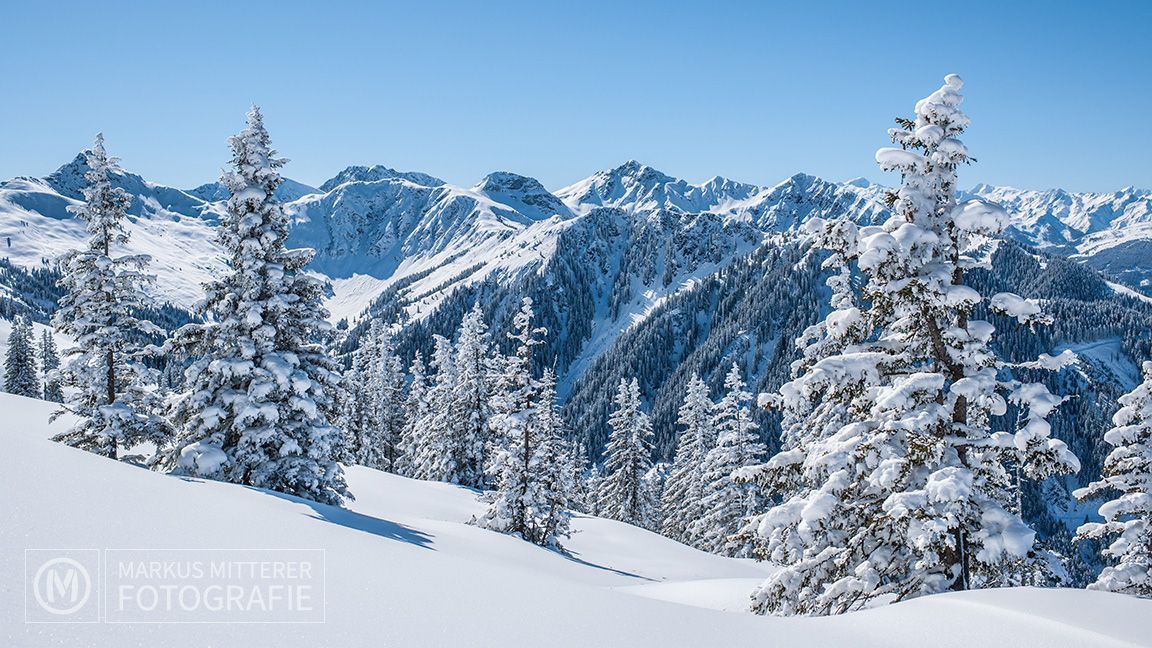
469	407
20	362
578	497
655	481
533	475
49	363
390	387
374	412
361	403
593	497
262	391
554	458
433	441
515	505
111	391
684	490
727	504
891	482
622	493
1128	476
514	390
416	411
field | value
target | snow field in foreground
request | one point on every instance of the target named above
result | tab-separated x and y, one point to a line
403	568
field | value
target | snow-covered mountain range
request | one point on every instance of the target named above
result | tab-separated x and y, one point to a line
1111	232
640	235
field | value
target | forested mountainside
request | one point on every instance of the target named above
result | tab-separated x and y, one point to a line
751	311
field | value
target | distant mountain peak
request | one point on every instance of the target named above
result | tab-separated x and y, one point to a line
642	173
522	193
629	167
982	188
629	185
508	181
721	182
69	180
377	173
804	179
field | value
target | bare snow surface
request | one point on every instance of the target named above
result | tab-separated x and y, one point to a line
404	569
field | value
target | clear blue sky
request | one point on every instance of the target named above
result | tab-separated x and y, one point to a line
1060	92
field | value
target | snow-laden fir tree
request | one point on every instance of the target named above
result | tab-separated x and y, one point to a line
1127	477
727	504
433	441
111	391
262	390
655	481
469	407
593	485
374	414
554	458
684	489
20	361
415	413
361	403
622	493
49	362
533	474
516	502
578	497
891	482
514	390
390	388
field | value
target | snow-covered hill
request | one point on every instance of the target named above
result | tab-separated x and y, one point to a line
402	568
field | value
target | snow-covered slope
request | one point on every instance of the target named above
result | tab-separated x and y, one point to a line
374	226
402	568
174	227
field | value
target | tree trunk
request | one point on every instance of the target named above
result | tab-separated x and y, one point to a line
112	391
957	558
111	361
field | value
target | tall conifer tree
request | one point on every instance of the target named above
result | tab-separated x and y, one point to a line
261	394
110	389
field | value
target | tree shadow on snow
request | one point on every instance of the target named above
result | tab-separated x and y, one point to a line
576	559
345	518
358	521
